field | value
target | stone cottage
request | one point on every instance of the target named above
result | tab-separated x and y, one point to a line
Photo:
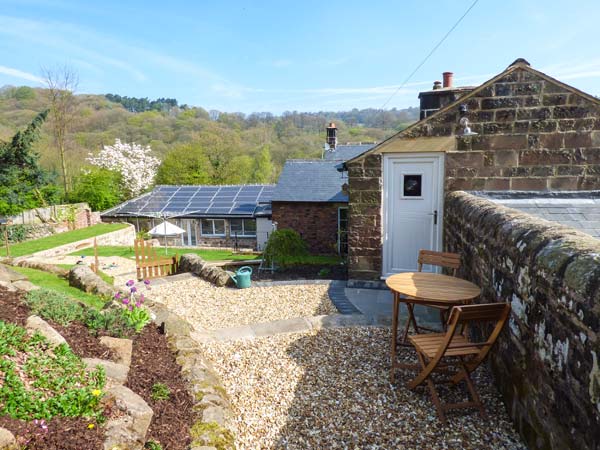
520	131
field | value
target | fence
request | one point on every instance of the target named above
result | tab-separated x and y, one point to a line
149	265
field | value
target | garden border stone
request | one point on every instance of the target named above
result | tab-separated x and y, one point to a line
214	426
190	262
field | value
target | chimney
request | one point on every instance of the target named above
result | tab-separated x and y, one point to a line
448	79
437	85
332	135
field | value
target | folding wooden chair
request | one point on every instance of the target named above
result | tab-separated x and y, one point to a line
433	258
456	350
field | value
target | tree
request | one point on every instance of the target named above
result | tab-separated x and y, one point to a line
185	164
99	188
23	183
61	84
263	167
135	164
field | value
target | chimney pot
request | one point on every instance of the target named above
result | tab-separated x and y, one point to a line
437	85
332	135
448	79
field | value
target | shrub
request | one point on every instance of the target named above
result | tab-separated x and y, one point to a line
110	322
160	391
55	306
283	246
153	445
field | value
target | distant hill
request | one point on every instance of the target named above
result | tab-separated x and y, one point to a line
164	124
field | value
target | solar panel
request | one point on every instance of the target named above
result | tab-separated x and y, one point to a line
199	201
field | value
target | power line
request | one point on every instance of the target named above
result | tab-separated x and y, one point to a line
430	53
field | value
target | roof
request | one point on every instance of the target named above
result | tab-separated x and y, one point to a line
198	201
347	151
310	180
519	64
579	210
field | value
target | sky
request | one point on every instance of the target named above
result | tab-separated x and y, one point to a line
305	55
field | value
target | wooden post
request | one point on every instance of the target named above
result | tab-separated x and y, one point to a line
96	265
6	240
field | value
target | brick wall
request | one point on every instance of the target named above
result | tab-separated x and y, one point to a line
546	363
533	135
316	223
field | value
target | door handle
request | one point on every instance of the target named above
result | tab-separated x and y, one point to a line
434	214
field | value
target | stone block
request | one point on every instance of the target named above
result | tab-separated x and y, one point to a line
506	158
127	431
544	157
464	159
500	142
122	348
7	440
578	139
9	275
555	99
528	184
115	372
25	286
82	277
38	325
570	112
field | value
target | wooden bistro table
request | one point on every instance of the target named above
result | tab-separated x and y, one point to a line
424	288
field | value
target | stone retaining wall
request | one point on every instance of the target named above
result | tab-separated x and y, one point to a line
546	363
125	236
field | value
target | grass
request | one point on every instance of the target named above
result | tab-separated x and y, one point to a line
52	282
208	255
37	245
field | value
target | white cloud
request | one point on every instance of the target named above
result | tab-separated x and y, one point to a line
16	73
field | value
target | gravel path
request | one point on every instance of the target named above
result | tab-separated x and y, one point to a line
207	306
330	389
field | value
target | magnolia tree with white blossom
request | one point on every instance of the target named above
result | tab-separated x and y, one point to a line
134	162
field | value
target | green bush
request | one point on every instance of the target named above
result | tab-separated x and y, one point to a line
18	232
55	306
39	384
153	445
283	247
111	322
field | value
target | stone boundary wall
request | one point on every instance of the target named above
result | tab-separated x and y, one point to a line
214	427
546	363
125	236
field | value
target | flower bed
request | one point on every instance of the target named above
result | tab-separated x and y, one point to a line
154	375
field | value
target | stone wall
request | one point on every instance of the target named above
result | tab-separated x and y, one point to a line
533	134
546	363
124	237
364	225
317	223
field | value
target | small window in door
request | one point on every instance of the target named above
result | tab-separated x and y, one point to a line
412	185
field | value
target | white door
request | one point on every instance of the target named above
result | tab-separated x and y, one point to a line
413	195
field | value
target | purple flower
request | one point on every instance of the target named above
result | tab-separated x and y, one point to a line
146	282
138	304
130	283
130	307
133	289
126	301
117	296
141	300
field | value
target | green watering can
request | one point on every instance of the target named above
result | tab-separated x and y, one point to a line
242	277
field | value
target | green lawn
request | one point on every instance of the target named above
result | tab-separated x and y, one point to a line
128	252
37	245
50	281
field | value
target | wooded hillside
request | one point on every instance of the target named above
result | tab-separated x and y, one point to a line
165	125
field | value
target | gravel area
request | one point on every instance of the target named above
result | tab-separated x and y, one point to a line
330	389
207	306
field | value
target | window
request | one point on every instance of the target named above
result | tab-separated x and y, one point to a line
242	227
213	227
411	186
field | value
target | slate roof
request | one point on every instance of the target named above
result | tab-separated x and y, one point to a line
310	180
347	151
579	210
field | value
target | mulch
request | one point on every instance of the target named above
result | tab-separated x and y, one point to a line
152	362
302	272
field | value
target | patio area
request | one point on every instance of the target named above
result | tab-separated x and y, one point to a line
330	389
